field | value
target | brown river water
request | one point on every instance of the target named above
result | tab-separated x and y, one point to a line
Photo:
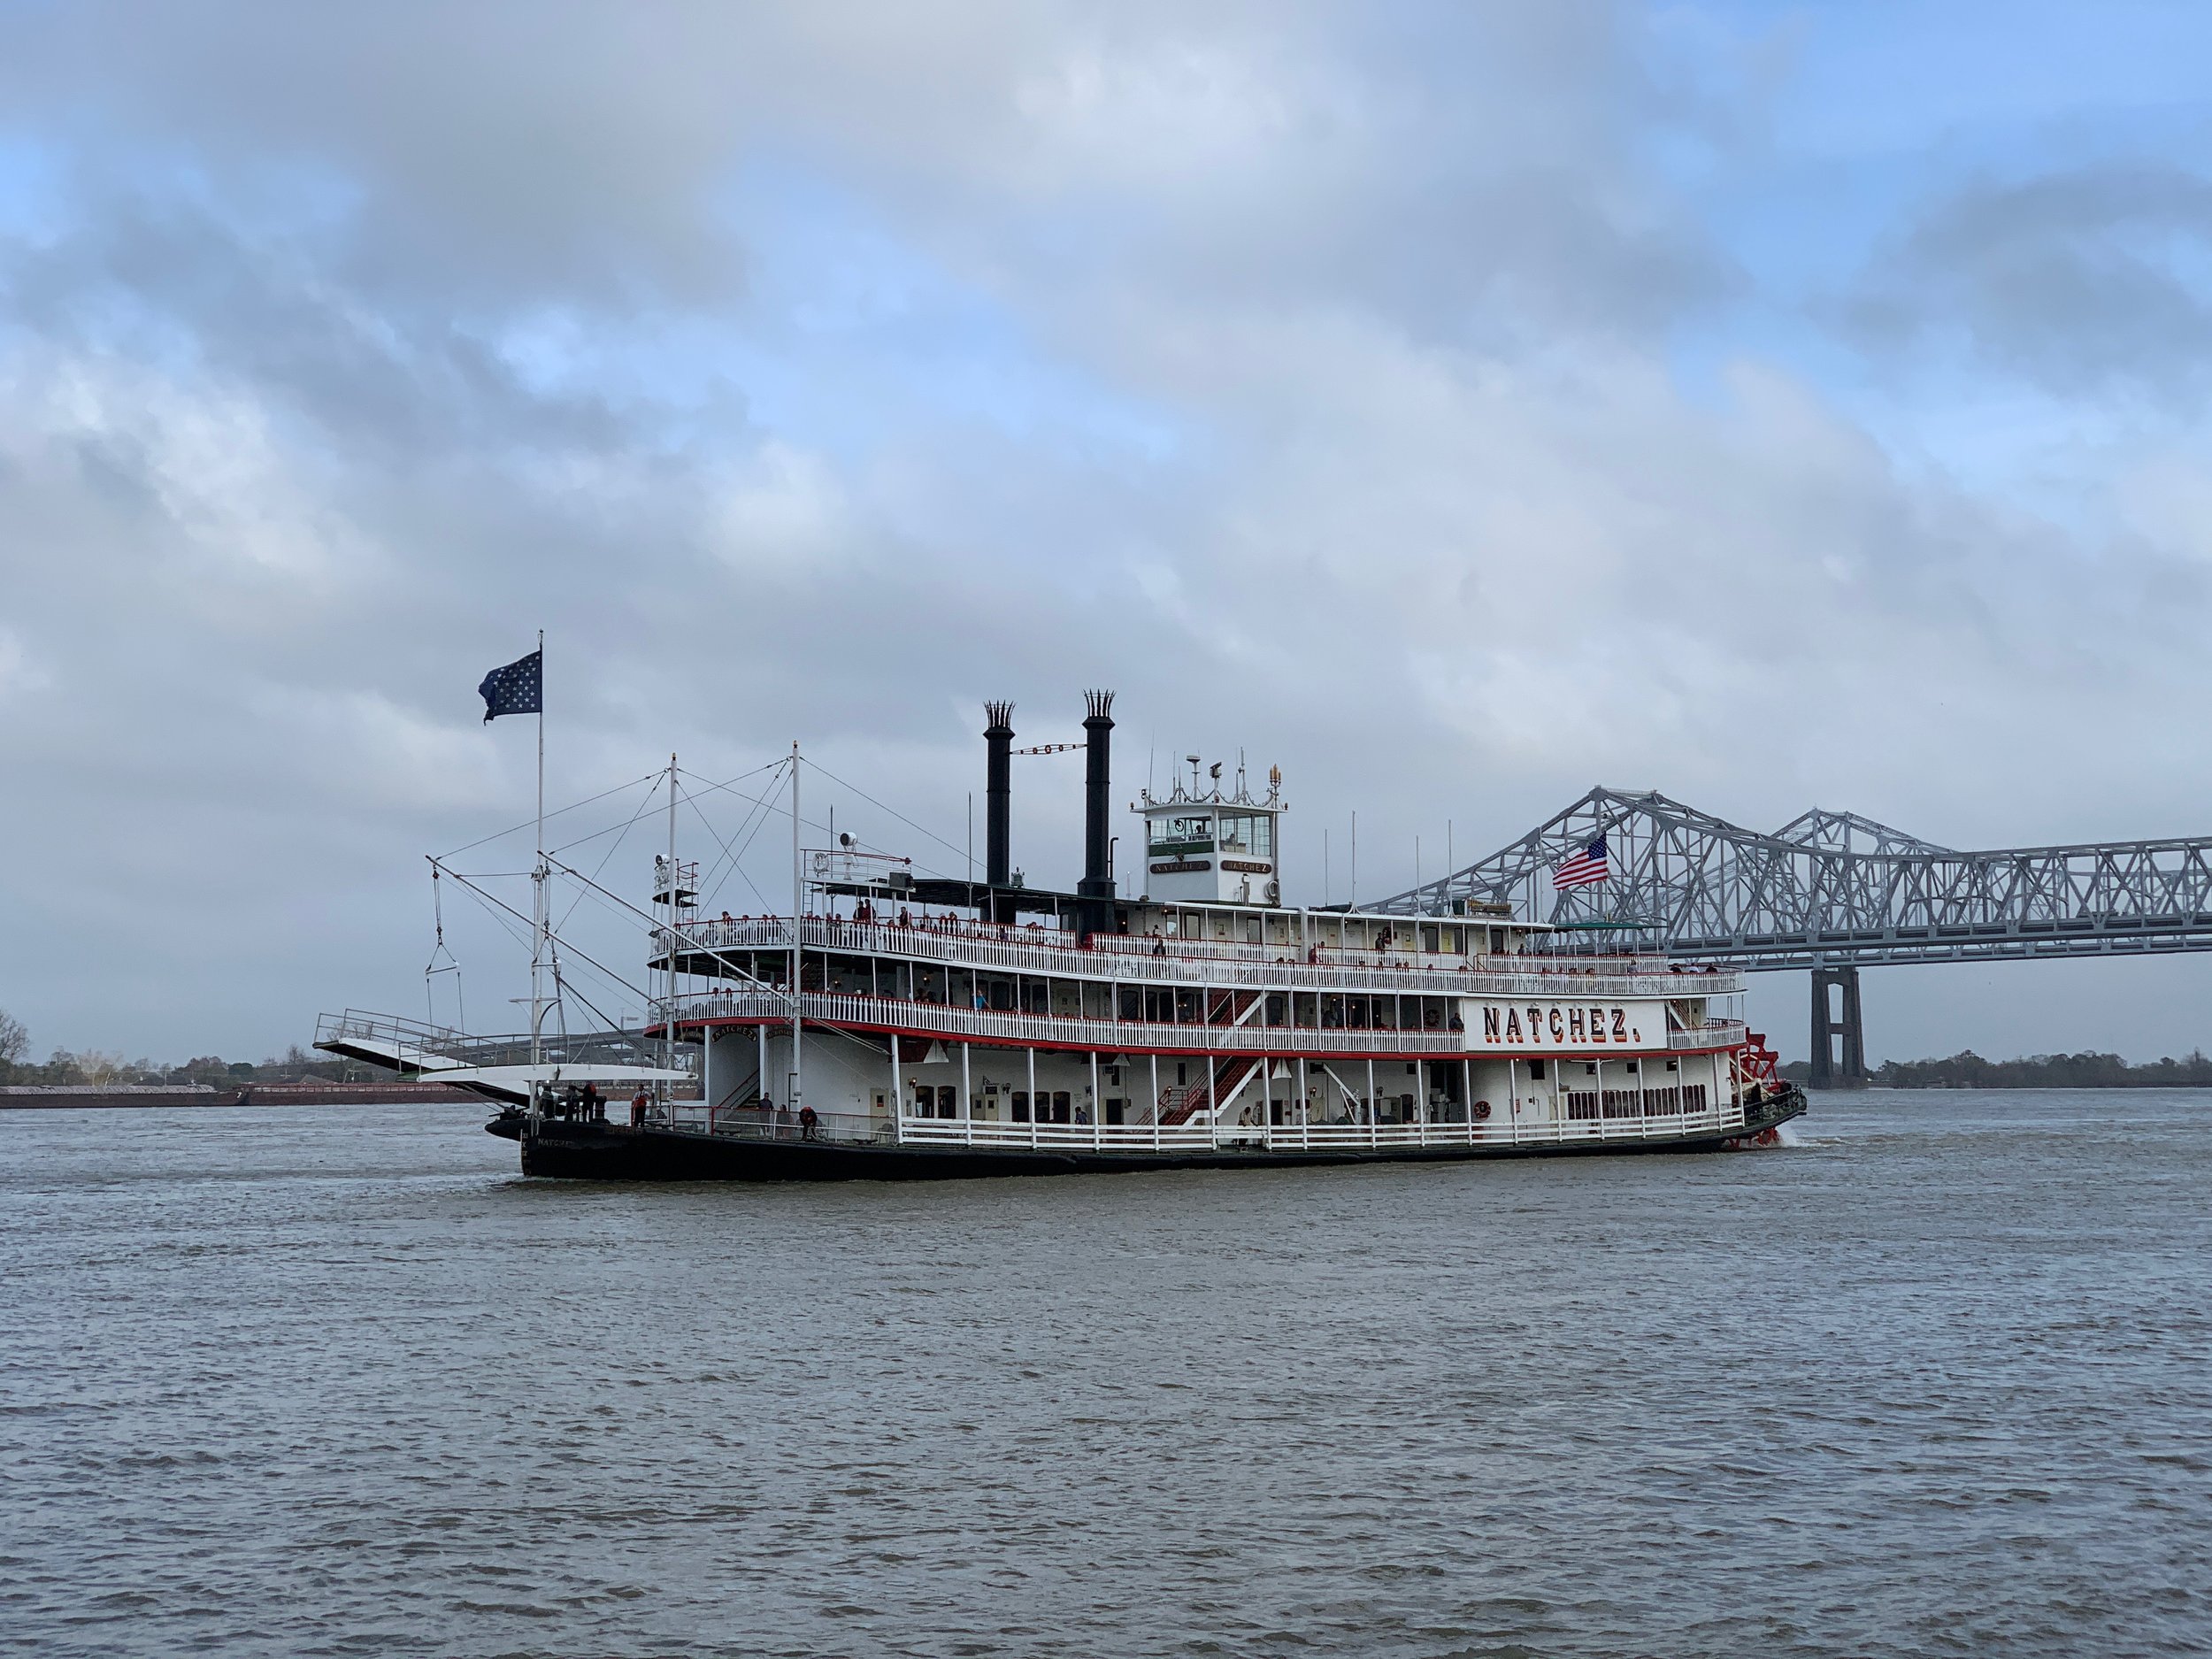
1935	1379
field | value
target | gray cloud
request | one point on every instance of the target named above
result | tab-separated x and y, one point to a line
1304	373
2086	281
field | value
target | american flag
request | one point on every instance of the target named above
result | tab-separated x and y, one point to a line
1584	869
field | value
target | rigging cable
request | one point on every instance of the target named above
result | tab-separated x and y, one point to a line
557	812
431	969
879	805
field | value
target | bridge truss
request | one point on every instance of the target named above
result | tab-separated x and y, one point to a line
1832	889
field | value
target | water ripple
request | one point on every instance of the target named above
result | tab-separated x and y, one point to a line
1929	1380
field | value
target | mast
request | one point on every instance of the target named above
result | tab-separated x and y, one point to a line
797	895
537	883
668	1026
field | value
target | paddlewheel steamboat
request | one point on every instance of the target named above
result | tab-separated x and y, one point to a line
902	1026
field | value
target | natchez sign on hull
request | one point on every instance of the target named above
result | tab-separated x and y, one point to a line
1543	1027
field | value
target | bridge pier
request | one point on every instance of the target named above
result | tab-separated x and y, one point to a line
1830	1069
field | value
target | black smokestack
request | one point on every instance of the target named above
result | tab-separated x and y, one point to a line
998	850
1096	889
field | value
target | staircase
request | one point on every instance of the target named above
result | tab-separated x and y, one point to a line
1178	1102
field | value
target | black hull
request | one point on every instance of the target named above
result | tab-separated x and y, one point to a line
607	1152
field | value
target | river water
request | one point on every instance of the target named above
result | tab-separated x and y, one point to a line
1933	1381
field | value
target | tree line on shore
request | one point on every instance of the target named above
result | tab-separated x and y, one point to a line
1969	1070
63	1068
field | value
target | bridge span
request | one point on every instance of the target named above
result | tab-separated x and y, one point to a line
1833	892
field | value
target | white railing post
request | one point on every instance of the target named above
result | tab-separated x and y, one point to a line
898	1093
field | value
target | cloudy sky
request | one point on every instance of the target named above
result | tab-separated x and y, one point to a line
1460	404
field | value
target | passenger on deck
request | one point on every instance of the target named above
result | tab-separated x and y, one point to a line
807	1123
637	1109
594	1109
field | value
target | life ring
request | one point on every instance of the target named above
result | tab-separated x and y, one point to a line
1482	1111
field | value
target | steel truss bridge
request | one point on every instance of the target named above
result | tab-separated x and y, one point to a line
1833	892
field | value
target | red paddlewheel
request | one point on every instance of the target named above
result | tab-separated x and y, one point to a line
1758	1062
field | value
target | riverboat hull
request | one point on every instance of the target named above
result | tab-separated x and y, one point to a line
611	1152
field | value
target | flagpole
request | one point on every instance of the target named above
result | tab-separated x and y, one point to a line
668	1022
537	881
798	959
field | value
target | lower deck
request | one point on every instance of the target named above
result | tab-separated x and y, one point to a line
929	1089
697	1144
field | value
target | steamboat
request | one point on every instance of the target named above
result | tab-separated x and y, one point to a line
901	1026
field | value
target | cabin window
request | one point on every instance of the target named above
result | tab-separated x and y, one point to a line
1116	1108
1189	832
948	1102
1249	833
1060	1112
1536	1070
1180	1080
1021	1105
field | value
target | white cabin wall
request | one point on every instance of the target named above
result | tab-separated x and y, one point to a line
733	1062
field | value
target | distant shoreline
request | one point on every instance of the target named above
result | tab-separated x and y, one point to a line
1967	1070
83	1096
2002	1089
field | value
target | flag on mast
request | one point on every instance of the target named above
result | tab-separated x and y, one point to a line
1587	869
517	688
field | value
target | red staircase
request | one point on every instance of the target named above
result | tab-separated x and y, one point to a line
1178	1102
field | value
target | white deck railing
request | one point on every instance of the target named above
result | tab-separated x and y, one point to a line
1209	963
830	1007
855	1128
1047	1031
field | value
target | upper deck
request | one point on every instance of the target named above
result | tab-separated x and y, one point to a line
1404	967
